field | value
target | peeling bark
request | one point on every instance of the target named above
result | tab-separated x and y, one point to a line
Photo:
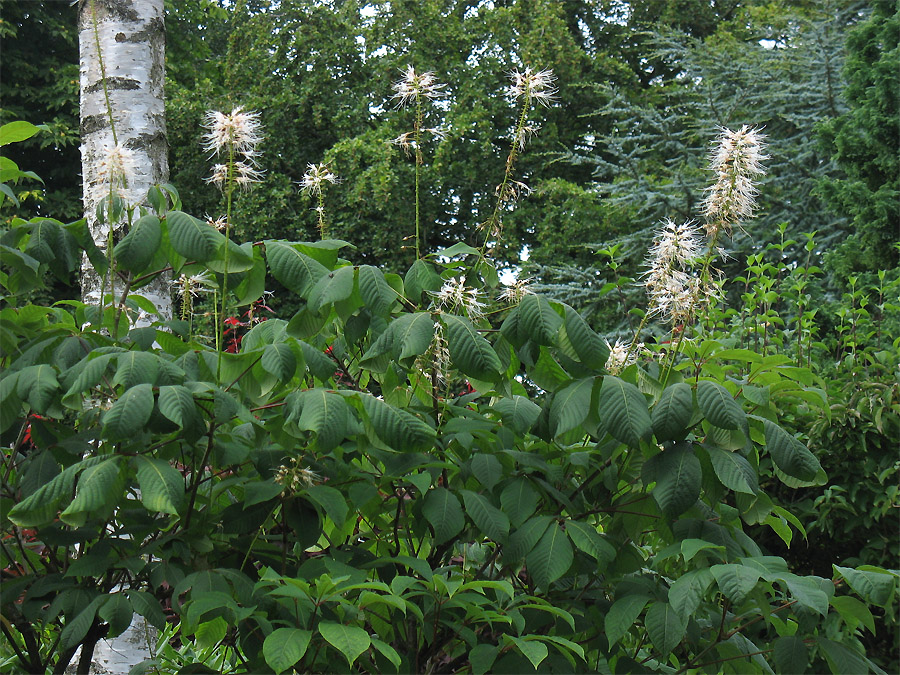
132	46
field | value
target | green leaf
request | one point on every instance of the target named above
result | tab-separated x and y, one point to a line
117	612
736	581
538	321
677	473
524	538
420	278
332	501
691	547
375	290
589	346
791	655
388	652
518	412
148	607
37	384
533	650
789	454
99	489
733	470
332	287
15	132
130	413
210	633
665	626
76	628
623	409
550	558
470	353
441	508
411	335
587	539
570	406
280	361
486	469
45	241
138	248
672	412
40	507
853	612
719	407
322	412
482	657
874	587
297	271
162	486
687	592
518	500
622	616
842	660
398	428
351	641
192	238
134	368
487	517
176	403
231	257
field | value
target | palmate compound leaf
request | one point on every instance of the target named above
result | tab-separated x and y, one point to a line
470	353
162	485
519	500
283	647
589	346
279	360
176	403
40	507
677	473
351	641
332	287
411	335
99	489
623	409
38	385
686	593
398	428
441	508
550	558
518	412
587	539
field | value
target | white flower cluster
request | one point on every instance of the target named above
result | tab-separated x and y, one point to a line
533	85
115	170
296	477
454	294
621	356
413	86
235	136
315	178
736	158
672	287
514	292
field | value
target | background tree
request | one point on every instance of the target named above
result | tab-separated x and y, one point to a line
123	127
864	141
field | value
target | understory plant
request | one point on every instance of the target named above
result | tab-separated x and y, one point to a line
421	473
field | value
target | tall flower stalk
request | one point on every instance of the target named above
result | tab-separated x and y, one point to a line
529	87
233	137
413	89
315	179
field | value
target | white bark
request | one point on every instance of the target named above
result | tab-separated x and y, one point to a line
132	45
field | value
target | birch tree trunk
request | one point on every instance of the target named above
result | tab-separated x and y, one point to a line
131	39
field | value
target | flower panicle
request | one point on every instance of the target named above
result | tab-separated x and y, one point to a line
414	86
621	355
533	86
316	177
236	137
515	292
454	294
737	159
